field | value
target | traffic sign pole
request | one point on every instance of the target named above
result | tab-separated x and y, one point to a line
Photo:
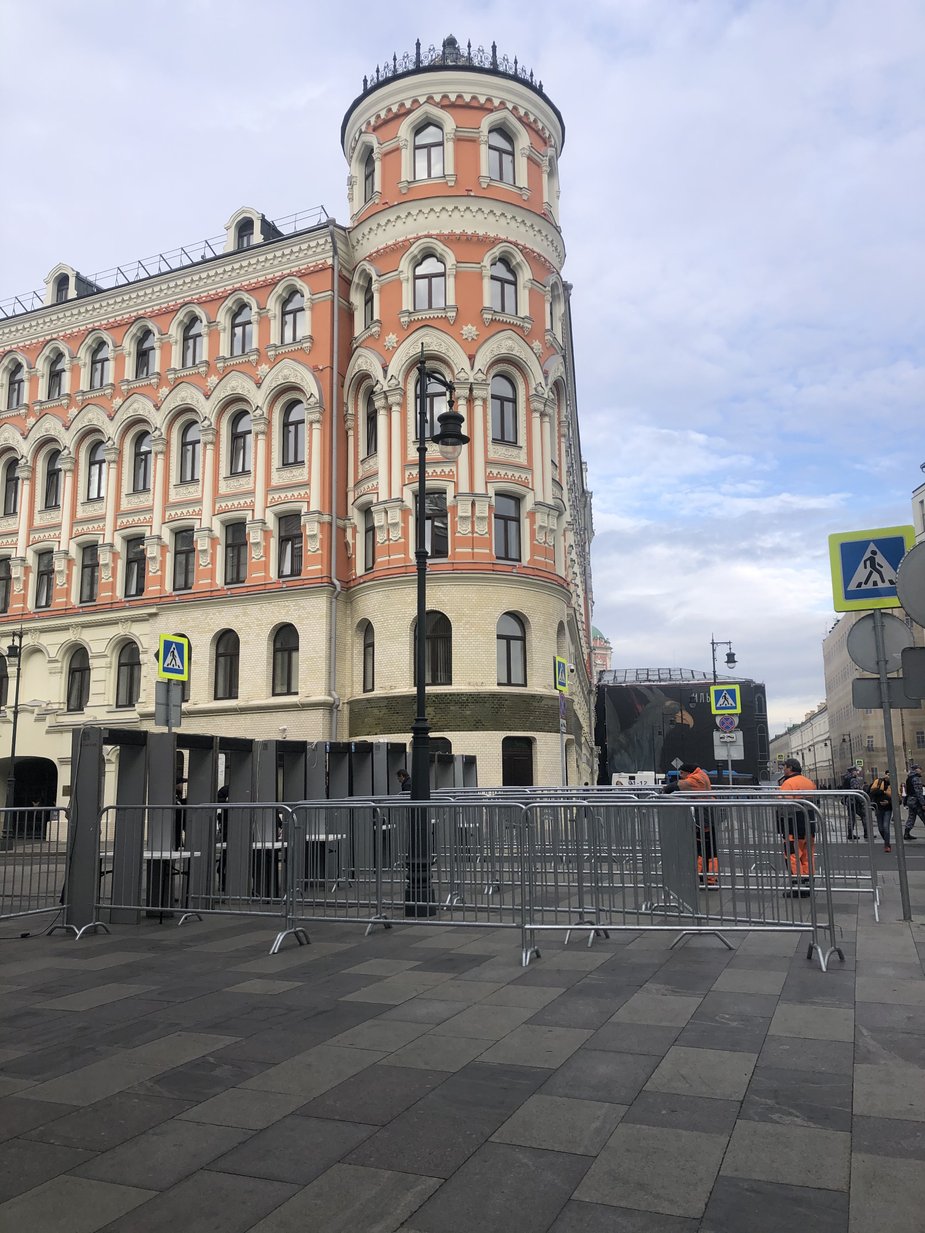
891	764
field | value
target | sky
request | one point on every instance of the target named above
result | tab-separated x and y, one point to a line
743	196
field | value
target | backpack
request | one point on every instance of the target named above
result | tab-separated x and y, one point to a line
879	791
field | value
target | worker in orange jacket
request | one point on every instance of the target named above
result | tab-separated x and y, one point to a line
692	778
792	822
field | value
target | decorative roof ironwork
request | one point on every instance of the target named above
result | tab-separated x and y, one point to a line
451	55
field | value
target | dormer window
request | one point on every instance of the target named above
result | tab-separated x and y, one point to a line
144	355
62	288
244	235
242	331
501	156
369	177
15	387
99	366
428	152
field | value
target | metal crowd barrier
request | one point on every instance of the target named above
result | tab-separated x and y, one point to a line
33	861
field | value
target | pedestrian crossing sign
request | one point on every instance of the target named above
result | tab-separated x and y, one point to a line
560	674
173	658
864	566
725	700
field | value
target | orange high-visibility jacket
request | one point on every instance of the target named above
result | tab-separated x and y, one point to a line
797	783
696	781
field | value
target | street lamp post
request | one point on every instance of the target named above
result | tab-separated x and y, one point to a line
450	439
730	655
846	740
14	656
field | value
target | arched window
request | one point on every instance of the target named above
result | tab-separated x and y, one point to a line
244	236
15	387
96	472
369	176
503	288
428	152
5	582
134	567
511	641
294	434
438	650
227	661
78	680
369	539
192	342
435	398
62	288
128	676
429	284
52	480
369	304
292	318
144	354
44	579
286	660
241	428
369	658
56	376
184	560
190	439
517	762
289	563
99	366
141	462
501	156
242	331
89	573
503	410
11	487
372	422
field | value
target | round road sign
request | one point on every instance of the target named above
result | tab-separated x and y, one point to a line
727	723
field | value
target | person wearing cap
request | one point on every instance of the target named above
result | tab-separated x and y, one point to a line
881	794
692	778
800	833
915	800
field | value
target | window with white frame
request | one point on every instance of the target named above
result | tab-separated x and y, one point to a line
436	527
507	527
190	445
241	442
438	649
503	282
78	680
99	366
55	385
144	354
227	664
501	155
428	152
15	387
134	549
369	658
128	676
435	400
369	540
235	553
429	284
6	581
141	462
10	487
62	288
372	425
511	641
242	330
184	560
191	343
244	234
52	494
292	317
369	303
369	176
89	573
44	578
503	410
96	472
289	561
286	660
293	442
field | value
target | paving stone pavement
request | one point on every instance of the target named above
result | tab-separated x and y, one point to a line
165	1080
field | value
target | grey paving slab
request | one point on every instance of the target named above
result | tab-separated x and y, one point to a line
596	1218
884	1136
717	1073
749	980
420	1009
25	1164
881	1016
96	995
464	991
561	1124
592	1074
294	1149
376	1095
503	1188
107	1123
791	1155
385	1035
518	994
19	1116
439	1052
656	1169
244	1108
200	1079
163	1155
571	1009
207	1202
890	1090
531	1045
395	989
667	1010
446	1126
738	1205
795	1053
351	1199
886	1194
69	1204
746	1034
314	1071
484	1022
800	1098
634	1038
814	1022
710	1116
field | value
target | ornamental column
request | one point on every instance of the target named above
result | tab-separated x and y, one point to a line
383	450
24	475
66	463
207	438
313	420
158	481
537	442
259	424
111	454
396	445
477	432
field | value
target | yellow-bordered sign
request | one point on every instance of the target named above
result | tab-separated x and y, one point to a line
864	565
173	658
725	700
560	668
